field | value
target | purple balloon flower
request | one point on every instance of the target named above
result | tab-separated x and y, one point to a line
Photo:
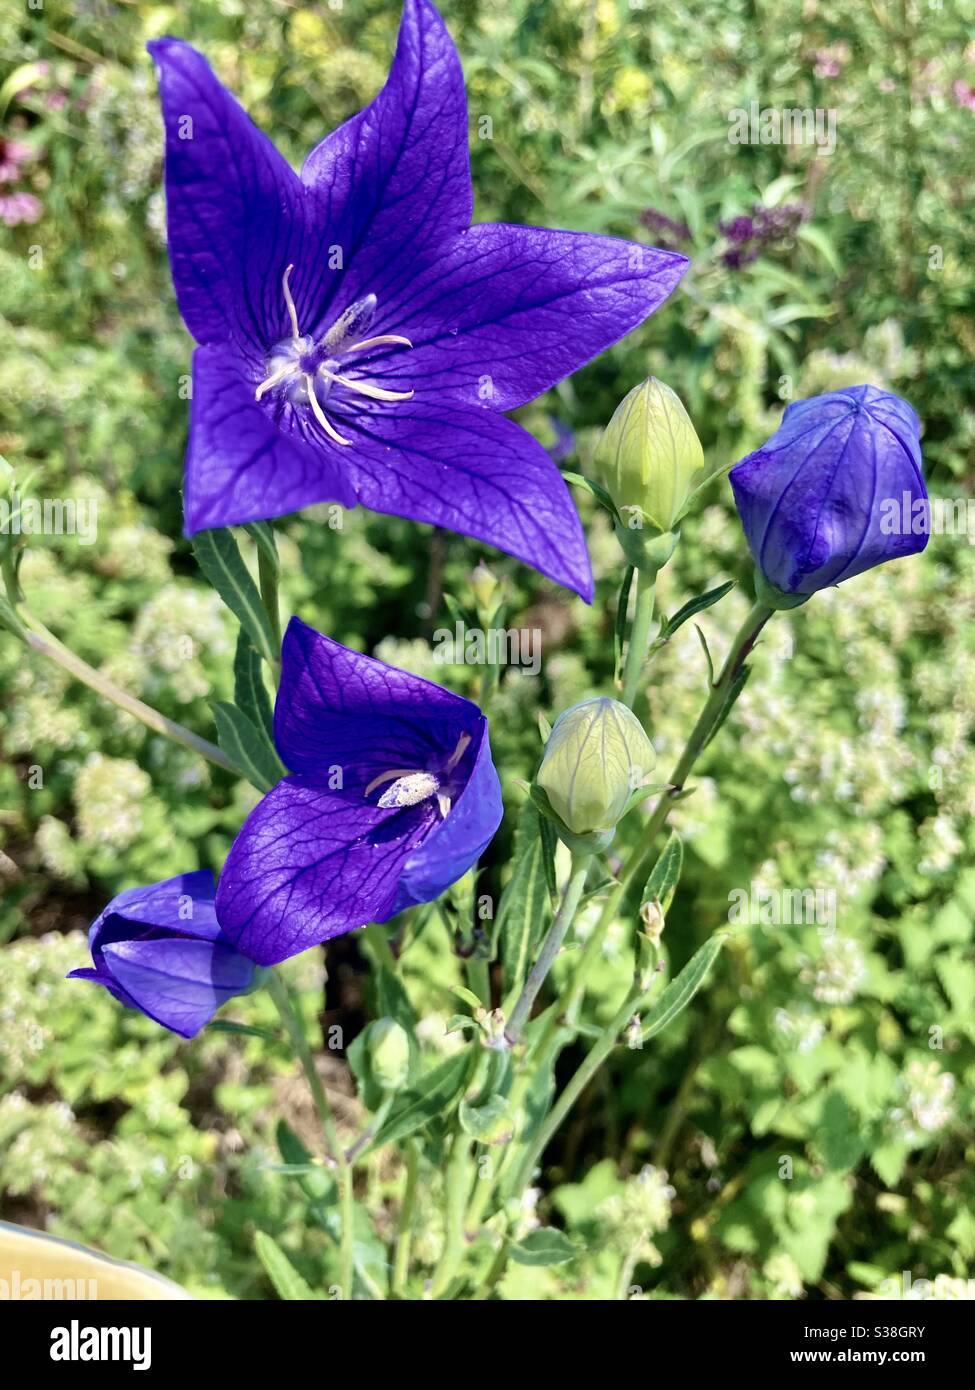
393	797
359	339
160	950
816	501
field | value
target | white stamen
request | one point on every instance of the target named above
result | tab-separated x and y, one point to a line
388	777
292	311
320	415
273	379
393	339
364	388
443	801
458	752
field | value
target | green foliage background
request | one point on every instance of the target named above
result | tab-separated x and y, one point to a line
847	766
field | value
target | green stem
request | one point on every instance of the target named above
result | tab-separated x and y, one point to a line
458	1181
493	1277
268	579
586	1070
550	948
640	862
290	1018
639	642
404	1234
46	644
479	978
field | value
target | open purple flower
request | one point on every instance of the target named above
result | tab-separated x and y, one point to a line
359	339
160	950
393	797
816	499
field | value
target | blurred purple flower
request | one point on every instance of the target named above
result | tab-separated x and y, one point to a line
160	950
392	797
750	235
665	231
19	207
814	500
359	339
13	153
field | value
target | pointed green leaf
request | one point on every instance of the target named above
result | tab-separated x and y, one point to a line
288	1283
525	906
247	749
250	692
734	690
665	875
596	489
432	1095
691	609
219	559
681	991
546	1246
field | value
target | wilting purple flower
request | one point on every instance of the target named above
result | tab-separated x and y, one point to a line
393	797
160	950
358	338
815	501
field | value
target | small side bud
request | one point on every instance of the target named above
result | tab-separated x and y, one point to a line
389	1054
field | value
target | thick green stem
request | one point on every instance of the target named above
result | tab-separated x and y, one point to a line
639	642
290	1018
550	948
404	1232
587	1069
640	862
268	579
458	1183
46	644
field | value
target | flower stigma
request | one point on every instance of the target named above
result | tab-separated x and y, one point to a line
308	371
409	787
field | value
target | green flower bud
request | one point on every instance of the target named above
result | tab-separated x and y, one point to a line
596	757
389	1053
485	587
650	459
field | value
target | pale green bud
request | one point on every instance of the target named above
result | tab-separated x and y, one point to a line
389	1053
596	757
650	459
485	586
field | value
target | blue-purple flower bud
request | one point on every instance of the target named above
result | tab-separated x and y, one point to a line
815	501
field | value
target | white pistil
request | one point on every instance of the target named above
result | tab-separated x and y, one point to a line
409	790
458	752
356	318
319	413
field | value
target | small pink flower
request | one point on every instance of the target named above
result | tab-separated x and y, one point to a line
963	94
20	207
13	153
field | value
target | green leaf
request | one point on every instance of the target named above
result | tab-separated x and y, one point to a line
488	1122
219	559
524	907
665	875
734	690
596	489
690	609
250	692
433	1094
681	991
619	627
546	1246
247	1030
246	746
287	1282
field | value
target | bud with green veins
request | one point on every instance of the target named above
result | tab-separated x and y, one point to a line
650	459
596	757
389	1054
